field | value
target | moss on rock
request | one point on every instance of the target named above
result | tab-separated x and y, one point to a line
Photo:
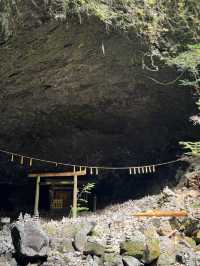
134	247
94	248
197	238
152	247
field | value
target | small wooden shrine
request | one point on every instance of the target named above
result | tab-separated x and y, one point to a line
59	184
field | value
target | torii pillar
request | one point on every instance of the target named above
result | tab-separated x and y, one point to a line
37	197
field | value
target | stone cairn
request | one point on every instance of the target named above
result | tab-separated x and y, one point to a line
109	240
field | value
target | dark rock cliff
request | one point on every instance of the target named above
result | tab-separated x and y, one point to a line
75	92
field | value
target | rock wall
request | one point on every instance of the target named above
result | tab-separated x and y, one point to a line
77	92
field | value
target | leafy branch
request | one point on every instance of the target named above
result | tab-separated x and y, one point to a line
82	198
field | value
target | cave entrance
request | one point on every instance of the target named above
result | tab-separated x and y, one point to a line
62	193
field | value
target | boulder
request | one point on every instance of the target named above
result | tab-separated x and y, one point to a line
29	240
80	241
167	254
152	247
82	231
94	248
134	247
131	261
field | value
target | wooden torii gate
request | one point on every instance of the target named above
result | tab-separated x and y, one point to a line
73	174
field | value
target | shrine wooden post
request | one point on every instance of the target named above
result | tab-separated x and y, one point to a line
75	193
37	196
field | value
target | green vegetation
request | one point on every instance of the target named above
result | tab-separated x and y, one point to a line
157	21
83	198
190	61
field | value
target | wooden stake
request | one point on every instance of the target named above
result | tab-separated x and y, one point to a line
37	197
75	192
130	171
12	158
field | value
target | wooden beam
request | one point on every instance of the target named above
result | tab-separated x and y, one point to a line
37	196
61	182
56	183
59	174
75	192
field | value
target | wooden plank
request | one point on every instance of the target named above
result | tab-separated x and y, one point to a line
75	192
37	196
59	174
61	182
56	183
161	213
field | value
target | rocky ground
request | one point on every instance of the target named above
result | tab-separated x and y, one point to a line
112	237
